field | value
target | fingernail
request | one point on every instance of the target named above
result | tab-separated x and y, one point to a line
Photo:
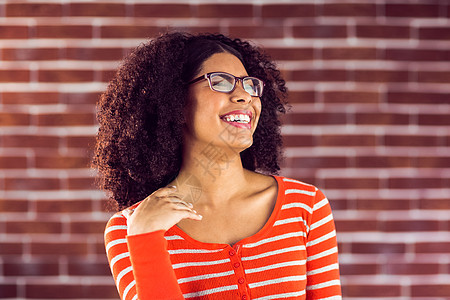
173	186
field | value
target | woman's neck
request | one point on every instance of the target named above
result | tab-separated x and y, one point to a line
210	173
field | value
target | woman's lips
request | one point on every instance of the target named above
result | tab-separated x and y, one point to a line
238	118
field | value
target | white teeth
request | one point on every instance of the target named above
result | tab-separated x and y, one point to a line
241	118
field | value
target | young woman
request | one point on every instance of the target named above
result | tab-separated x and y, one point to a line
189	130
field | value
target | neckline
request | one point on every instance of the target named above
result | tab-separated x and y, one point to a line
250	239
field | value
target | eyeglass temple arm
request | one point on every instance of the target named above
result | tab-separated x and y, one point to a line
197	79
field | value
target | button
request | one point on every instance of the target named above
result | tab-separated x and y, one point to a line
244	297
241	280
232	253
236	265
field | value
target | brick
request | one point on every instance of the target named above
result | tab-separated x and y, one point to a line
417	183
443	204
80	98
420	10
13	32
374	290
353	183
224	11
358	269
412	97
382	162
16	205
432	247
33	10
66	119
433	162
383	204
63	206
129	31
14	76
35	54
411	268
353	10
430	290
377	248
415	225
31	269
320	75
196	29
107	75
416	55
13	162
70	291
290	53
411	140
62	162
59	248
298	140
29	98
64	31
288	10
8	290
8	248
83	268
433	76
351	96
302	97
94	53
380	76
378	118
347	140
91	227
318	118
28	184
162	10
30	141
339	204
383	31
320	31
66	75
81	183
86	142
249	32
14	119
349	53
319	162
434	33
356	225
98	9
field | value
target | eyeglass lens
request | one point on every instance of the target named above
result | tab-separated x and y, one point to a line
225	83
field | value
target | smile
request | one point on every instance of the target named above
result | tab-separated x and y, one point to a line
240	119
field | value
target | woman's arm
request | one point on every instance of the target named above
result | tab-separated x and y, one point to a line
137	250
140	264
322	262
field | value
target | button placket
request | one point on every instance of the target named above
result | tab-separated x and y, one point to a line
236	263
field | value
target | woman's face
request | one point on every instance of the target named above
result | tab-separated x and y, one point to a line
210	114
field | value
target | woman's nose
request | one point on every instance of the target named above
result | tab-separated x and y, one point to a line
240	95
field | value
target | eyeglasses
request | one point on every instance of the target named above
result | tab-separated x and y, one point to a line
226	83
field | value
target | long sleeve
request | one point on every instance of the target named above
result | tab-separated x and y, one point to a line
322	262
140	264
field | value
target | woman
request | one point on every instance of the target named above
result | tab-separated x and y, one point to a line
183	126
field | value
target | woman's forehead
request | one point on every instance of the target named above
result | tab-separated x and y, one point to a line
224	62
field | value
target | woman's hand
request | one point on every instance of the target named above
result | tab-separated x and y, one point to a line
159	211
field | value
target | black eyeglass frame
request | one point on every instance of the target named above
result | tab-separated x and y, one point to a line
207	76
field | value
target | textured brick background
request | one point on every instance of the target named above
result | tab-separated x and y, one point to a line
370	125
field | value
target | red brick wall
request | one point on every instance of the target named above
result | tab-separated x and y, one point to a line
370	125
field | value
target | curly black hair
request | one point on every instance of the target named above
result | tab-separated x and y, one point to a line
141	114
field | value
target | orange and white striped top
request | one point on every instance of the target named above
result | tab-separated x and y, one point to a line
294	256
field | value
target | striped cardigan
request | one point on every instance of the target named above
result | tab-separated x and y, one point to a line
294	256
